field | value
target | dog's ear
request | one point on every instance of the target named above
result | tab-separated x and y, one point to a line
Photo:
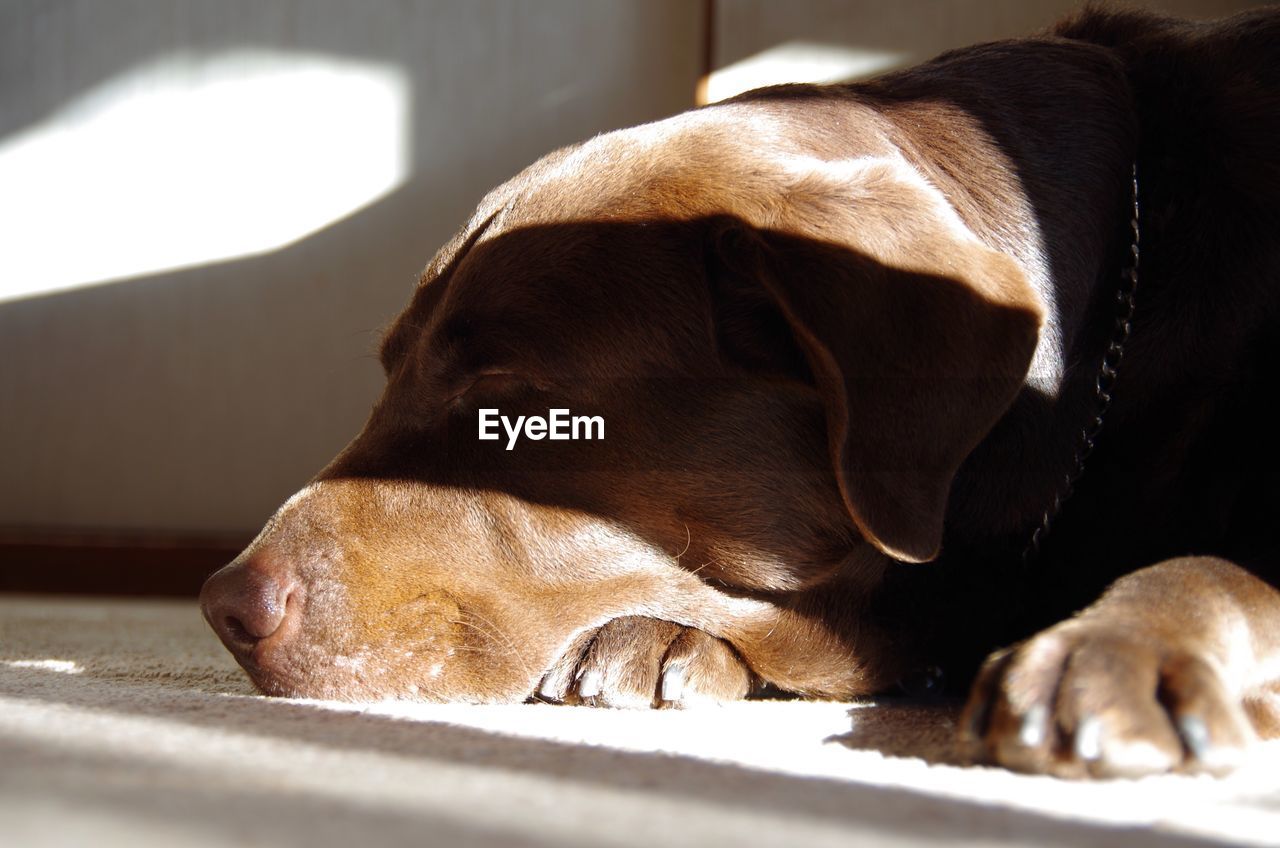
916	351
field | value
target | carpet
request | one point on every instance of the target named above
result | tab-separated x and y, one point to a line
126	723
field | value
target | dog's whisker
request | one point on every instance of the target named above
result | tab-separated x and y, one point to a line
507	640
704	565
495	632
688	541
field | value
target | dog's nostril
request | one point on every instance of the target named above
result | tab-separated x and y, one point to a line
237	632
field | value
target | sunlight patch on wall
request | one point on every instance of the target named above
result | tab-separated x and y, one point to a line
796	61
196	158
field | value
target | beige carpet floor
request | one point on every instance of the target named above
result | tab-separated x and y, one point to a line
125	723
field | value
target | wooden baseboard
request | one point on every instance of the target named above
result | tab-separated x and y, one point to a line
95	563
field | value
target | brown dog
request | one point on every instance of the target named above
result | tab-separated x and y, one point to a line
835	352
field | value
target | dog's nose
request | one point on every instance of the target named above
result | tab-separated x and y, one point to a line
249	601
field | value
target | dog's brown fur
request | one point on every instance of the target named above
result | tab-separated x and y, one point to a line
835	331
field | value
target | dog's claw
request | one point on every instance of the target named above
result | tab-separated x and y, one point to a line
672	684
1034	726
1088	741
1195	735
589	684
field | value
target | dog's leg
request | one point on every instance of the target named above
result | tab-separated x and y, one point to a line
1174	667
645	662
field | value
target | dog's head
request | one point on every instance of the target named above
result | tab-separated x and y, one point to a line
773	356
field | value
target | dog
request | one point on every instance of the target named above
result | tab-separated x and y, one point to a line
875	380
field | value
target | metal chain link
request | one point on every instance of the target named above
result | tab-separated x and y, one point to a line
1104	384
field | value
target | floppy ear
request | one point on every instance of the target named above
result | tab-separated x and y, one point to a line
916	351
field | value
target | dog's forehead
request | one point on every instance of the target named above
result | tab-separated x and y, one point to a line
596	226
525	273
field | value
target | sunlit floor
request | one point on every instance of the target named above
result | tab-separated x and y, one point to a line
126	723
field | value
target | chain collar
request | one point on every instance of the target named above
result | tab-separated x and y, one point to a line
1104	383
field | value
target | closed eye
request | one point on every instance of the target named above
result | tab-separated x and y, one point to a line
489	383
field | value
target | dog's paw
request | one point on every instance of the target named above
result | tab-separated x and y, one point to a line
1089	699
645	662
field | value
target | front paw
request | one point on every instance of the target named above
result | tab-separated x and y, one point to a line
1095	699
645	662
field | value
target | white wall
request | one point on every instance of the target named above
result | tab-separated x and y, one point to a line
197	399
